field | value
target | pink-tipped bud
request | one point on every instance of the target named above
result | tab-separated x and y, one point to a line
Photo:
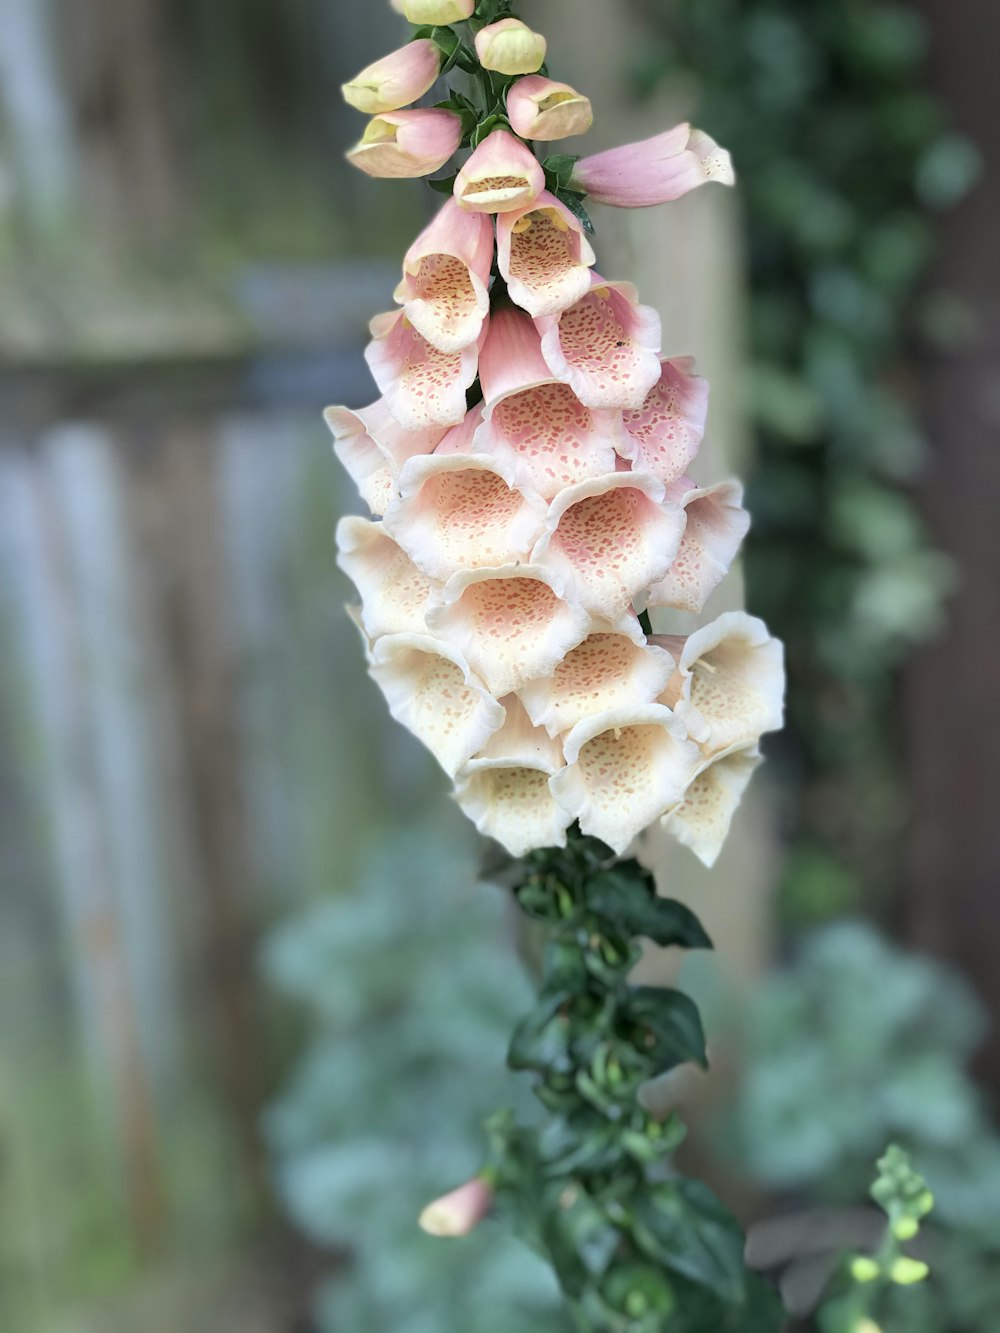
501	175
460	1212
510	47
542	109
437	11
407	143
396	80
655	171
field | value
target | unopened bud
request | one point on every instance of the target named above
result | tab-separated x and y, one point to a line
540	108
510	47
396	80
437	11
460	1212
407	143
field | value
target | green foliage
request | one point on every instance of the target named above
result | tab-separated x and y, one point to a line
637	1249
412	990
841	152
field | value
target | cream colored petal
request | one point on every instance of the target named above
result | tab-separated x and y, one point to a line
423	387
703	819
544	256
607	671
511	624
736	682
611	539
625	769
458	512
664	435
433	692
373	447
716	526
394	592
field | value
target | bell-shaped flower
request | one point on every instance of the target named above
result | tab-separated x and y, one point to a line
606	347
610	540
607	671
716	526
511	624
394	593
543	256
396	80
729	687
460	511
625	769
654	171
373	446
510	47
663	436
540	108
505	790
400	144
422	386
446	275
431	690
535	419
501	175
438	12
459	1213
703	818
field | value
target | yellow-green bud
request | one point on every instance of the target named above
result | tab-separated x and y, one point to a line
510	47
438	11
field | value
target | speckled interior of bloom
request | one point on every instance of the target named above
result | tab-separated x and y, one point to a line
554	436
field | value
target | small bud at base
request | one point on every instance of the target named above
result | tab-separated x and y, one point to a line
458	1213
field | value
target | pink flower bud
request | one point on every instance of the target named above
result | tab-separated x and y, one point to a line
437	11
396	80
510	47
460	1212
655	171
542	109
407	143
501	175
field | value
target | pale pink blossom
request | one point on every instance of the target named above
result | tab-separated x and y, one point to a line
460	1212
422	386
606	347
610	539
703	819
396	80
510	47
373	447
533	418
654	171
544	256
394	593
501	175
407	143
539	108
446	274
716	524
663	436
443	12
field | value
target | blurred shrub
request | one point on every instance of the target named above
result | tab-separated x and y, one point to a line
842	155
413	989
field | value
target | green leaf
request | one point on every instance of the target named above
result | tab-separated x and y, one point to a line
579	1237
629	899
541	1041
574	202
685	1227
674	1034
560	167
444	184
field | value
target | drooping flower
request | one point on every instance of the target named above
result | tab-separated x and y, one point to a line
539	108
606	347
442	12
373	447
663	436
423	387
654	171
716	524
703	819
544	256
446	274
394	593
501	175
510	47
625	769
460	1212
407	143
396	80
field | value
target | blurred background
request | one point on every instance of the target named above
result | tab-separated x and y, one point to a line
253	1006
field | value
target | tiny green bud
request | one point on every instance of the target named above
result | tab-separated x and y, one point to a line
864	1269
905	1228
905	1272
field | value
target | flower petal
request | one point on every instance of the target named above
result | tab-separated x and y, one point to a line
610	540
373	447
462	512
732	678
607	671
626	768
502	174
716	526
665	434
606	347
543	256
422	386
655	171
702	821
511	624
405	144
433	692
393	591
446	277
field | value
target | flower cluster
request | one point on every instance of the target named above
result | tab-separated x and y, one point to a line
527	470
